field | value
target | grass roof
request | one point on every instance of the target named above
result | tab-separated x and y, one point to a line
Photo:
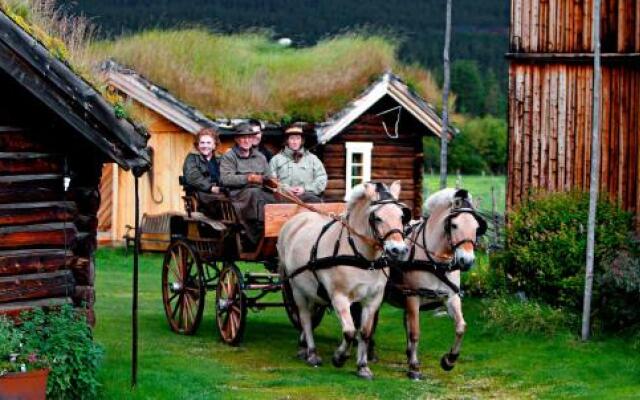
250	75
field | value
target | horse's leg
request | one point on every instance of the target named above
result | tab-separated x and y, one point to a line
412	328
454	306
372	356
342	306
369	312
304	313
302	346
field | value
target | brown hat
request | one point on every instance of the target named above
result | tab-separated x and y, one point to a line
245	128
295	129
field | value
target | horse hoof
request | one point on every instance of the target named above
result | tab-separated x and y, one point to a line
314	360
365	373
373	358
444	363
414	375
338	360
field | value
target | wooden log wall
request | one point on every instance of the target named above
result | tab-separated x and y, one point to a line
564	26
47	235
391	159
550	95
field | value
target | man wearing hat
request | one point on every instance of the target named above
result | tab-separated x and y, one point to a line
298	170
242	171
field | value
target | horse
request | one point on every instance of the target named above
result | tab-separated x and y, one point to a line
347	264
441	246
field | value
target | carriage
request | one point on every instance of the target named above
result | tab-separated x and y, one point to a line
203	256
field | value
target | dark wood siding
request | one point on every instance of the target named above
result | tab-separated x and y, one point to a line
47	235
391	159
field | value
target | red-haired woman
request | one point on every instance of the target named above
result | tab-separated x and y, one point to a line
201	169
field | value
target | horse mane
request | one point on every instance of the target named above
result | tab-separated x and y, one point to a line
357	194
445	197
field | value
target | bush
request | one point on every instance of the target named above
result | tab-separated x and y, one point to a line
517	316
64	338
483	279
545	256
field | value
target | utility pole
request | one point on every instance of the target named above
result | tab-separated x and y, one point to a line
444	133
595	170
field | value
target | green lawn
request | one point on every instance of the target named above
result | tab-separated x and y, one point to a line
479	187
492	364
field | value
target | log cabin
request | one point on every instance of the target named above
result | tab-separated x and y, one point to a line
379	136
550	99
56	133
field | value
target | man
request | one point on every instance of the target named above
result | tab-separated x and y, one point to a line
298	170
242	171
257	142
200	169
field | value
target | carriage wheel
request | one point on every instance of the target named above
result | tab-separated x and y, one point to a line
292	309
231	306
183	288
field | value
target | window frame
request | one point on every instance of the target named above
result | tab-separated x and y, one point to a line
364	148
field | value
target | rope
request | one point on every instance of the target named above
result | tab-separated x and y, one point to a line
276	188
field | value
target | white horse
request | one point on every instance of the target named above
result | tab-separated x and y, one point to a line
326	262
441	246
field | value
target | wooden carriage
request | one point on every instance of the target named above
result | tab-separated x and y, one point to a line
203	256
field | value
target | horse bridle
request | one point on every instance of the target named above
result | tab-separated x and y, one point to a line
460	206
374	220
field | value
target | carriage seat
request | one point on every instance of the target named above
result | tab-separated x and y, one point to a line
222	209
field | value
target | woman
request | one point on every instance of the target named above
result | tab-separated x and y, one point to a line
201	170
298	170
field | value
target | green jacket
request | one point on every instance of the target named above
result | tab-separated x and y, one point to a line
196	173
308	172
234	169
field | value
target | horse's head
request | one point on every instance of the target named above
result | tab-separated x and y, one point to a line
460	225
387	218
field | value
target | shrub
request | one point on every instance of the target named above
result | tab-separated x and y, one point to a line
517	316
64	338
545	255
484	279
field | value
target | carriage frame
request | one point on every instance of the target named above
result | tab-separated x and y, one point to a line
202	256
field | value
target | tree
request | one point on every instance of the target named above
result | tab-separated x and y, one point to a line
467	84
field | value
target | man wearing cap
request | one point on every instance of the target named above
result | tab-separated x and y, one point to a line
298	170
257	140
242	171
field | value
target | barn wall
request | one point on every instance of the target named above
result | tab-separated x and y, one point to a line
563	26
391	159
550	125
550	93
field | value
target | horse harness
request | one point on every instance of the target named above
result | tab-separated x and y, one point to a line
357	259
437	268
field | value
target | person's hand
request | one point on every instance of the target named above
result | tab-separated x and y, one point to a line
215	189
297	190
254	178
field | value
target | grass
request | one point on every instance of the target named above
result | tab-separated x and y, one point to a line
492	365
251	75
478	185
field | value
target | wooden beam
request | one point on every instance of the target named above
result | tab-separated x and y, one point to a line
15	262
33	286
14	309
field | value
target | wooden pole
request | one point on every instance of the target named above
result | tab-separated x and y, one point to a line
595	169
134	305
444	132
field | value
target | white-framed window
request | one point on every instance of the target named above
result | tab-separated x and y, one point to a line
358	165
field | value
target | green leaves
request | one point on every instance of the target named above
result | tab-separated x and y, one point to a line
65	339
546	250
